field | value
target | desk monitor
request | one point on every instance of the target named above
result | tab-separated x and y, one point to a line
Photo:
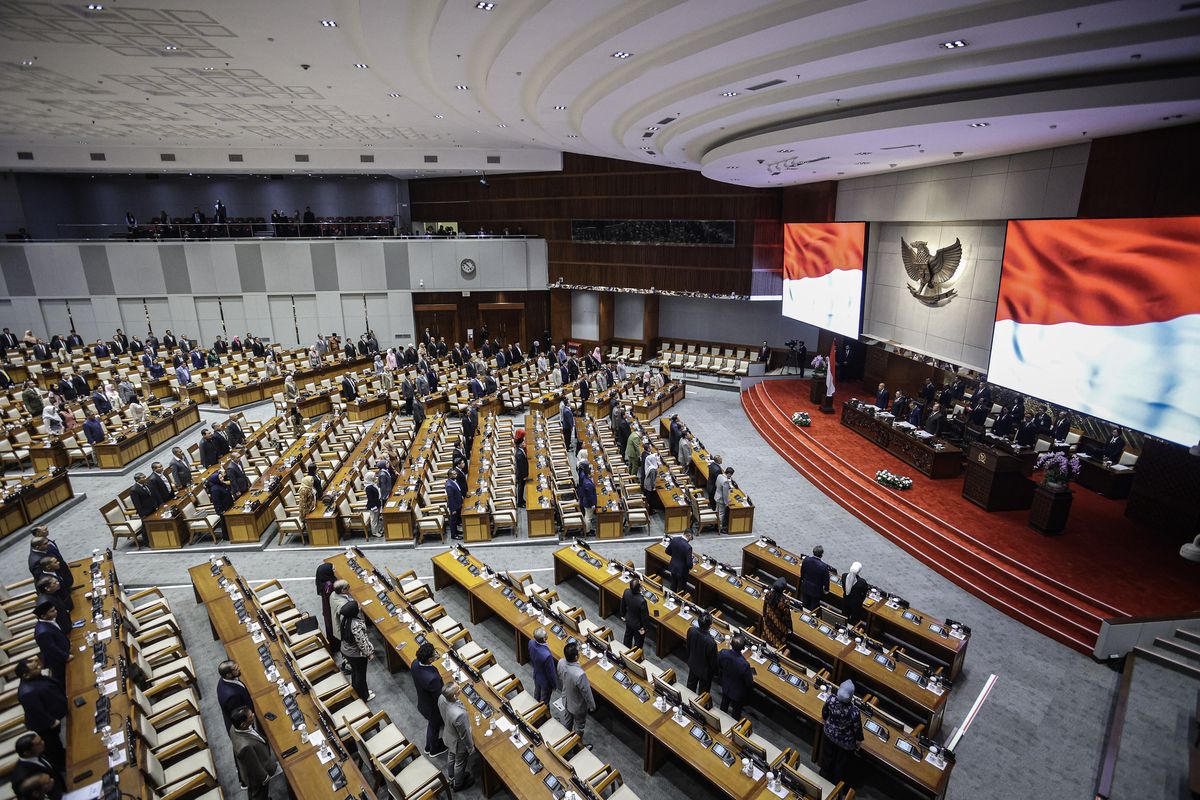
570	622
798	784
749	749
702	715
632	667
597	644
667	692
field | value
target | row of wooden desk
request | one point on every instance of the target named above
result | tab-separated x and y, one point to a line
663	736
934	457
539	491
28	498
674	618
610	508
658	403
741	509
400	510
303	755
132	444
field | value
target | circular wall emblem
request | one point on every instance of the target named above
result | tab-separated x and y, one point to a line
467	266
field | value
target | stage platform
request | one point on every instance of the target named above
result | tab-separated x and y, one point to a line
1104	565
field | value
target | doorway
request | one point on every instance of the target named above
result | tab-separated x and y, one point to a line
440	318
504	321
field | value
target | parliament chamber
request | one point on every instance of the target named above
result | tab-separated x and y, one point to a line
606	401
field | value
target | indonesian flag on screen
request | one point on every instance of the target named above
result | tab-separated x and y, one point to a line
1103	316
829	387
822	274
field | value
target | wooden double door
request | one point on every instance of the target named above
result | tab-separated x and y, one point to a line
504	321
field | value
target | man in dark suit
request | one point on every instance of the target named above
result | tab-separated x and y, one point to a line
179	468
210	452
1027	434
470	423
54	567
764	354
1044	421
80	385
428	681
232	694
567	417
239	484
675	431
983	396
933	424
160	484
454	502
64	388
100	350
881	397
31	761
501	359
1062	426
234	434
169	341
349	388
1003	427
9	339
737	677
928	391
41	351
93	429
679	548
978	414
701	655
53	645
814	579
145	502
1114	447
476	388
636	613
714	470
522	462
45	705
349	350
49	590
255	762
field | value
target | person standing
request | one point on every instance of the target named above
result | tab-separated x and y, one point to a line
587	498
737	677
255	761
854	592
356	647
522	461
721	497
31	762
636	612
232	694
568	424
701	655
454	502
842	725
714	471
44	702
374	504
428	681
326	578
179	468
814	579
679	548
545	678
577	690
776	623
633	449
53	646
456	731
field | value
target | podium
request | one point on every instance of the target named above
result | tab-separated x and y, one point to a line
995	480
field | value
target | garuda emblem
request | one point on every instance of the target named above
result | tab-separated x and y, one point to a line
931	272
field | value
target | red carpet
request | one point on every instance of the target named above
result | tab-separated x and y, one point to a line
1104	565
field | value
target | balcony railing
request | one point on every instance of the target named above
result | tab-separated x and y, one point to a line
347	228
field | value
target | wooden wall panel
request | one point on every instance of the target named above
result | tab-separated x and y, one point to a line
1148	174
536	310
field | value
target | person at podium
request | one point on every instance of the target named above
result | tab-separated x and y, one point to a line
1004	425
933	425
881	397
1044	421
1114	447
1027	433
900	405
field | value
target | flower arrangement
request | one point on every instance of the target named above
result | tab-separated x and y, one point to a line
819	367
1059	469
801	419
894	481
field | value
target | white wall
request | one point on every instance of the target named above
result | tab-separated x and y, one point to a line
1042	183
961	330
734	321
628	314
585	315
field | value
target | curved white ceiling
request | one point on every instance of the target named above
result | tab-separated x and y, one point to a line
750	92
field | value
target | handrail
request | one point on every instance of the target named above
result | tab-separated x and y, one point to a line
1112	740
1195	615
244	229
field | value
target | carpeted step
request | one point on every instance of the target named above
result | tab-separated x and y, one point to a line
1187	635
1170	662
1179	648
1024	599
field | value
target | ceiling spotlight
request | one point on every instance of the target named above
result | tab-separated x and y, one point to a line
654	128
209	69
979	124
572	136
501	125
787	150
730	167
560	108
729	94
483	6
621	54
361	66
861	163
95	7
329	23
954	45
393	94
28	62
863	153
483	180
462	87
439	116
172	47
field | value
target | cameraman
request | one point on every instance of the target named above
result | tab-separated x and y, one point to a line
764	354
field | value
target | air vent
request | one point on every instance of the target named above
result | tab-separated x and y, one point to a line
236	158
667	120
431	159
648	135
301	158
366	159
766	85
899	147
493	159
166	156
98	157
24	156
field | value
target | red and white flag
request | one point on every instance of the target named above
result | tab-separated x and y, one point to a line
1103	316
829	385
823	274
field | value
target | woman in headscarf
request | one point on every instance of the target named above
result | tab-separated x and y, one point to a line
112	395
391	359
137	411
356	647
776	623
843	733
855	591
52	419
325	580
377	364
633	449
306	498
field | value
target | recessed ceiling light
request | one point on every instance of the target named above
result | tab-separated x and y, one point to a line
393	94
361	66
621	54
572	136
653	128
439	116
862	163
729	94
730	167
329	23
484	6
28	62
787	150
462	87
172	47
979	124
560	108
209	69
954	45
95	7
501	125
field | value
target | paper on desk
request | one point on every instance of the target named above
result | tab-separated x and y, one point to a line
624	578
780	791
316	738
325	755
721	573
606	667
110	688
760	543
118	739
683	612
504	725
108	675
758	773
682	721
104	636
367	602
104	623
518	741
116	758
930	758
89	792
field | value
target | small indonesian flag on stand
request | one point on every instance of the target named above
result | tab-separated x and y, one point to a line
829	385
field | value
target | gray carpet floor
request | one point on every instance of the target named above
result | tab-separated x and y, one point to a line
1039	734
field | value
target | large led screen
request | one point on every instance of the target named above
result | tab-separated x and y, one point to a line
823	274
1103	316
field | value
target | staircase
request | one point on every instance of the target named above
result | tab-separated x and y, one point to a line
1181	652
1018	590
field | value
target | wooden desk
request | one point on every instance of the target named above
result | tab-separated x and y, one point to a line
1112	481
931	635
934	457
399	516
326	527
741	509
996	480
539	491
314	405
610	510
133	443
660	402
50	453
368	408
31	497
305	774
